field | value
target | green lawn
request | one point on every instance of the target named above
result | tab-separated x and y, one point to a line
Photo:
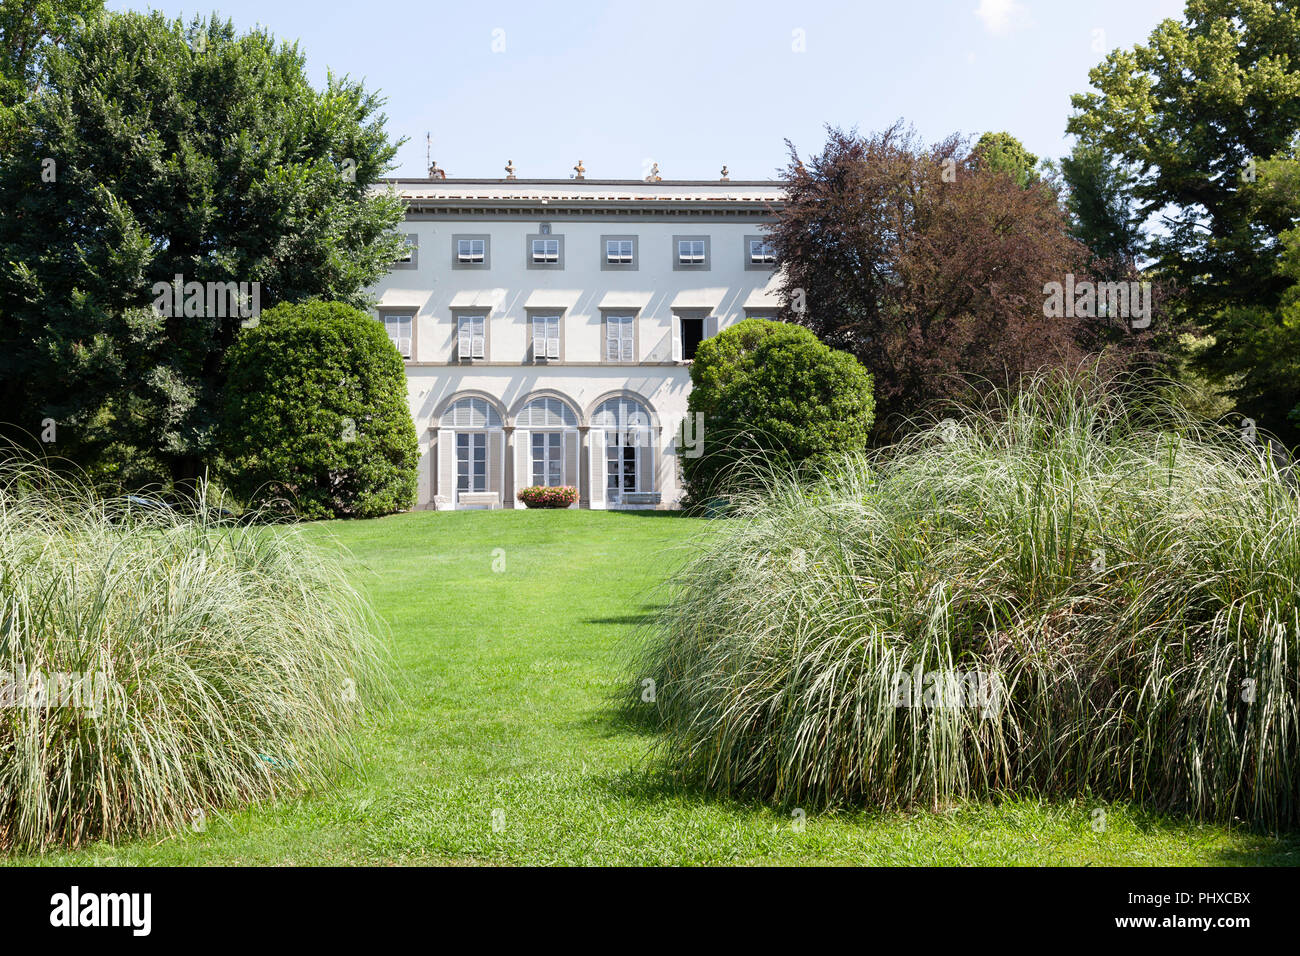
506	708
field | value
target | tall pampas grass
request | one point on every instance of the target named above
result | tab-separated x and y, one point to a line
1122	582
156	666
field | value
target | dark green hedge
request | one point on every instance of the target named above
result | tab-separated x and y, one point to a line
316	421
772	394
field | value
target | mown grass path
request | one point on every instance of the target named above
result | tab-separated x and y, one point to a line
508	675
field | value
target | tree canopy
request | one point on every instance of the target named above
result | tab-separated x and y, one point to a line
1189	120
922	263
156	150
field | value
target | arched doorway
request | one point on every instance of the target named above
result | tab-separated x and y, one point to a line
546	444
623	435
471	454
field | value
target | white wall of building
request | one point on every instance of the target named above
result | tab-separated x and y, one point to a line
508	292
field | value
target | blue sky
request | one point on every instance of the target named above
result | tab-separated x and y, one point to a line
693	85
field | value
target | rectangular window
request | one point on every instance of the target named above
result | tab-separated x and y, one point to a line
471	250
618	251
408	260
618	338
546	337
692	336
690	252
620	470
546	250
471	461
548	458
472	335
761	252
398	328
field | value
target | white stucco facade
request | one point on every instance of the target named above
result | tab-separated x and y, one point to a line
548	328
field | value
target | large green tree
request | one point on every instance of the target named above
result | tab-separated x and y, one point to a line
29	29
1100	202
928	264
1005	153
155	150
1190	116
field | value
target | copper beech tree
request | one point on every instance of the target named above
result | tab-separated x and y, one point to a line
927	264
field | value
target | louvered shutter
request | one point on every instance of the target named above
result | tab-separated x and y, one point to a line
677	338
523	462
466	345
710	326
645	478
596	467
628	353
496	460
611	340
447	465
480	334
570	476
553	338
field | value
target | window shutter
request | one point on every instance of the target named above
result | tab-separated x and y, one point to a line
447	464
710	326
523	463
496	460
466	341
539	339
570	476
480	334
645	478
611	340
553	339
404	347
628	353
677	338
596	467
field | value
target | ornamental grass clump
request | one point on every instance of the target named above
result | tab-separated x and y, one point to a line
157	667
1074	590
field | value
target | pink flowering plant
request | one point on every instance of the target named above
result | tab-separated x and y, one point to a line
540	496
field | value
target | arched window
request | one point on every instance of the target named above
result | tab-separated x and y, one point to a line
547	413
471	413
546	444
471	454
629	447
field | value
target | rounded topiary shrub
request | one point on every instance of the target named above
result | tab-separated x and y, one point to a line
769	394
541	496
316	420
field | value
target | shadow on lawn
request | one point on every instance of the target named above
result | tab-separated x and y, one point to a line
650	784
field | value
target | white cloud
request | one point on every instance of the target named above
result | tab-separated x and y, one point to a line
1000	16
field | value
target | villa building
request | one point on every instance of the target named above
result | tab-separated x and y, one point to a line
548	327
